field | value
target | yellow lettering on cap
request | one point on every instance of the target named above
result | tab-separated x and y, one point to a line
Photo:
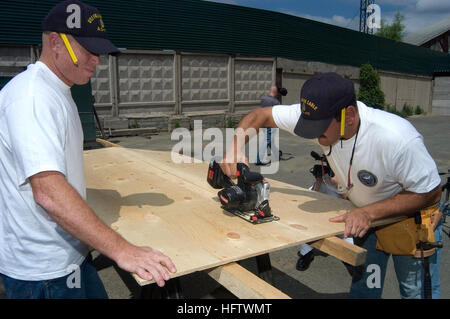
94	16
97	16
309	103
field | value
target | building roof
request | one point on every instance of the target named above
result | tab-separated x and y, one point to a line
428	33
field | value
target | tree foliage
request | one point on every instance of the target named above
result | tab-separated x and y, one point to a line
393	31
370	92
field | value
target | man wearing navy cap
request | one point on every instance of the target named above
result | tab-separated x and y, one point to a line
381	165
46	226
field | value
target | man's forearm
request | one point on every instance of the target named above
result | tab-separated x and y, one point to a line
249	127
66	207
402	204
261	117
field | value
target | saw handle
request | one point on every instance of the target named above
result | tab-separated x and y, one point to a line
216	178
247	177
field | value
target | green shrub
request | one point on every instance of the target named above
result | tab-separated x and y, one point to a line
370	92
407	110
230	123
418	110
133	125
391	109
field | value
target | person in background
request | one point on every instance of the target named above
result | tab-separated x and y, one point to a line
270	99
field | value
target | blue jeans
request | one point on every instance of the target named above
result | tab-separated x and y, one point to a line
435	260
369	279
91	287
268	143
435	264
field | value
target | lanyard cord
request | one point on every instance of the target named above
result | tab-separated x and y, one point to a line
349	185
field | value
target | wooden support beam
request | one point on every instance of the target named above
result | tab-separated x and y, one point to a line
342	250
244	284
106	143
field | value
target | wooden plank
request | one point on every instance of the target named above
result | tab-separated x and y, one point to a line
106	143
152	201
244	284
346	252
342	250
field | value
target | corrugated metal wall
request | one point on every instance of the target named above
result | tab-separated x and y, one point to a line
201	26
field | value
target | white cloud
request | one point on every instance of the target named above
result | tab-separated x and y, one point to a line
420	14
435	6
395	2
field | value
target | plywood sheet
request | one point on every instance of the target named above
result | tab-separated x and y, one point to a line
152	201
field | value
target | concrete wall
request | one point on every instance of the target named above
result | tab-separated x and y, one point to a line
398	88
138	83
401	89
441	97
295	74
14	60
164	89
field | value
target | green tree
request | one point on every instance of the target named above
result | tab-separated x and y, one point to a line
370	92
393	31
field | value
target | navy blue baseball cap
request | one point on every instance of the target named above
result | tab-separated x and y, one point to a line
322	98
83	22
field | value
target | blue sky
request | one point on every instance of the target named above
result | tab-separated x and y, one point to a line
345	13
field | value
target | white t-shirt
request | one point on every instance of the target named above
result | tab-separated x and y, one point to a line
40	130
389	157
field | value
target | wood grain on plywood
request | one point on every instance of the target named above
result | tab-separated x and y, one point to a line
151	201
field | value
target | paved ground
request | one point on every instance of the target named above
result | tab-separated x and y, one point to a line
327	277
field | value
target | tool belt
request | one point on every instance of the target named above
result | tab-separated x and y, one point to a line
402	238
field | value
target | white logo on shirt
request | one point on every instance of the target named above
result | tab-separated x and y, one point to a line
367	178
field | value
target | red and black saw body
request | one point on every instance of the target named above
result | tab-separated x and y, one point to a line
248	199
